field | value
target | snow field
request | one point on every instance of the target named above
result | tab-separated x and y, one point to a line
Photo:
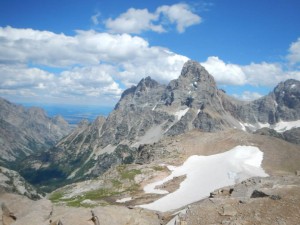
205	174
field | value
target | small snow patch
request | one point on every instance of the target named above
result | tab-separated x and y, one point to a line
154	107
181	113
283	126
124	200
243	126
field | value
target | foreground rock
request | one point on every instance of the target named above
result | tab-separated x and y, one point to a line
272	200
42	211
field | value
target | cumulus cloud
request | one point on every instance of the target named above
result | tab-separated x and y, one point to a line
264	74
94	64
248	96
256	74
134	21
59	50
139	20
181	15
225	73
294	53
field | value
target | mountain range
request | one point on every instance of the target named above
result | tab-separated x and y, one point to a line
26	131
148	112
186	137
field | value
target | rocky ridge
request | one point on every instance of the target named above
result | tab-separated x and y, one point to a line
24	131
12	182
150	111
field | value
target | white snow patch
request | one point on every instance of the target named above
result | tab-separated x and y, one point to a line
72	175
181	113
154	107
198	111
283	126
293	86
280	127
249	125
205	174
124	200
262	125
243	126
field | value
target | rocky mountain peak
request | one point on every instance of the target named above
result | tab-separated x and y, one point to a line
83	123
288	88
287	98
146	83
143	85
193	71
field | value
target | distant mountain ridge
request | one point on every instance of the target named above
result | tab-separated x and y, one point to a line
149	111
24	131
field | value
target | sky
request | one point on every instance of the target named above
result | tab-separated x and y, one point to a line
88	52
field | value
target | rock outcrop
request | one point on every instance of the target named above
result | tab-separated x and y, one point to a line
282	104
12	182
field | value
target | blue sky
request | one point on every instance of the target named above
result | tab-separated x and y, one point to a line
88	52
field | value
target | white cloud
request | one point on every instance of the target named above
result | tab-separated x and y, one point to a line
294	52
77	84
161	65
225	73
93	63
89	81
264	74
20	76
95	18
96	65
139	20
256	74
134	21
181	15
248	96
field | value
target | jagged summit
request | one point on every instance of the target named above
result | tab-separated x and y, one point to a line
196	72
289	91
145	83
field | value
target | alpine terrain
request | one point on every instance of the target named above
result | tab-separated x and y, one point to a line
182	153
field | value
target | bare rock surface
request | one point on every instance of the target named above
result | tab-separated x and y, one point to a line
42	211
24	131
279	205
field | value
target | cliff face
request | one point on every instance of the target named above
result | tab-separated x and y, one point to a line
26	131
282	104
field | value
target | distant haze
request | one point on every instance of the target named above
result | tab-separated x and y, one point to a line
73	113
